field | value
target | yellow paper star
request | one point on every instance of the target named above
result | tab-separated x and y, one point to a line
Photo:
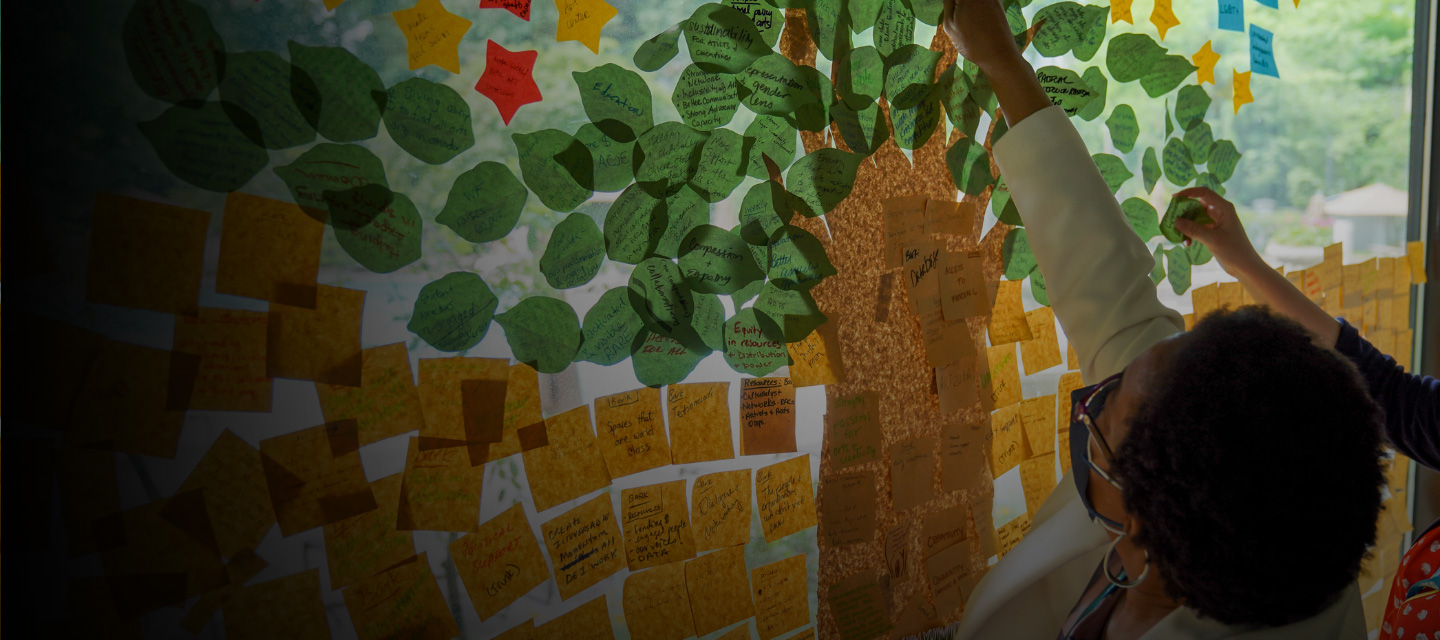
1163	17
1120	10
581	21
433	35
1205	59
1242	89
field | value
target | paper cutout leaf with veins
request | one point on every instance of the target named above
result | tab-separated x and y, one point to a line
324	166
1142	217
714	260
1018	257
454	312
667	156
684	210
259	82
389	240
1124	128
1150	168
554	182
661	297
721	165
613	161
1064	88
722	39
1187	208
173	51
1099	86
754	344
1223	158
969	166
1191	103
894	27
1199	138
660	360
762	212
797	259
657	51
794	310
705	100
1179	168
574	253
909	74
610	328
1113	170
617	100
633	225
336	92
201	144
821	180
484	203
772	137
429	120
542	332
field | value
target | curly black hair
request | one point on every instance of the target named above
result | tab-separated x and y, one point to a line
1253	468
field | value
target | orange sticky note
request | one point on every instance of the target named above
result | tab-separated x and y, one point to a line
1069	382
1205	299
233	479
288	607
1038	416
656	525
1043	350
145	255
1037	478
133	399
1007	319
904	227
1011	533
441	490
962	285
816	358
584	545
164	549
964	448
912	472
499	563
590	621
946	341
231	346
442	396
1000	384
958	385
719	589
782	600
581	21
784	495
767	416
404	602
432	35
367	544
1229	295
569	466
1415	257
657	604
721	514
1072	361
1009	440
847	509
314	476
1334	258
631	432
269	249
699	422
522	412
949	218
320	344
386	404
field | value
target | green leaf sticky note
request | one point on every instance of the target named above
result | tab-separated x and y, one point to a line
552	178
705	100
862	13
1165	74
793	309
797	259
773	86
660	295
1187	208
860	77
201	144
655	52
909	74
927	11
574	254
772	137
1198	253
1004	206
633	225
610	328
1150	168
326	166
762	212
616	99
1169	122
709	320
613	161
748	292
684	210
1179	168
1199	138
429	120
914	126
454	312
1038	289
721	166
661	360
1019	258
1191	103
754	344
542	332
1223	158
863	131
829	27
484	203
1064	88
1142	217
1208	179
768	18
714	260
1113	170
389	240
259	82
1178	269
969	166
1157	273
1130	56
1064	26
1124	128
172	49
1099	86
336	92
813	115
722	39
667	156
821	180
894	27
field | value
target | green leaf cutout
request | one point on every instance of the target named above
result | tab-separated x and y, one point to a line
909	74
821	180
1124	128
1113	170
705	100
388	240
1142	218
721	166
172	49
1100	86
1065	89
484	203
611	327
1191	103
655	52
667	156
794	310
969	166
543	333
574	253
1150	168
633	225
684	210
754	344
1019	258
894	27
772	137
722	39
1179	168
1178	269
612	161
661	297
336	92
660	360
454	312
200	144
797	259
616	99
1223	158
714	260
429	120
259	83
762	212
549	162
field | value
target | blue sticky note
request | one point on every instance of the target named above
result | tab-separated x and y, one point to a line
1262	52
1273	4
1232	15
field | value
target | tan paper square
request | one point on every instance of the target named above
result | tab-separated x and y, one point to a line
441	491
656	525
785	497
962	285
320	344
915	618
945	570
584	545
570	466
1352	297
1063	452
288	607
241	568
1007	319
1072	361
1001	382
233	479
816	358
1329	269
167	539
368	544
847	509
442	400
1043	350
1038	416
946	341
912	472
946	528
964	448
231	346
589	621
699	422
897	552
500	562
1069	382
522	411
950	218
133	399
982	508
782	596
921	274
857	604
269	250
657	604
767	416
721	513
88	493
404	602
1037	478
314	476
958	385
1009	448
522	631
719	589
145	255
630	432
904	226
852	429
385	404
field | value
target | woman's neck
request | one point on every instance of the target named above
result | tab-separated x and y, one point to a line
1139	609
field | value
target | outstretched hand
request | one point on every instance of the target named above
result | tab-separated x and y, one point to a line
1225	237
981	33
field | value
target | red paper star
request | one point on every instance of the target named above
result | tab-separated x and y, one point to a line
520	8
507	81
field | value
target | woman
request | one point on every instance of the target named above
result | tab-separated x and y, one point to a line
1187	520
1411	403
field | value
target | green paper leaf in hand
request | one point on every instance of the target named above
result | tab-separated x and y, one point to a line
797	259
714	260
969	166
821	180
705	100
259	82
574	253
552	178
611	327
1018	257
200	144
336	92
484	203
1187	208
1179	168
1142	218
429	120
1124	128
754	344
1113	170
543	333
454	312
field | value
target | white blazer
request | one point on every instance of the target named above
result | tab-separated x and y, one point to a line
1097	273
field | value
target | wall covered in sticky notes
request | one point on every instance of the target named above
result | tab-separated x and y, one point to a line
585	318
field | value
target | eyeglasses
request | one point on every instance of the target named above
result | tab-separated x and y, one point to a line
1086	412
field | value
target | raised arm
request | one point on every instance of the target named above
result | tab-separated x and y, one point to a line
1097	271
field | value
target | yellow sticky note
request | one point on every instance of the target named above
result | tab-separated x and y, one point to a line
404	602
441	490
721	514
1072	361
1007	318
145	255
314	476
1038	417
782	600
442	395
1069	382
366	544
767	416
1000	384
982	509
386	404
1415	255
1037	478
631	432
786	498
288	607
432	35
1009	440
1205	60
569	466
164	549
962	285
581	21
500	562
589	621
657	604
1229	296
1042	351
1242	89
699	422
816	358
1205	299
1011	533
522	411
320	344
270	249
946	341
656	525
584	545
1120	10
1163	17
233	479
719	589
231	346
912	472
